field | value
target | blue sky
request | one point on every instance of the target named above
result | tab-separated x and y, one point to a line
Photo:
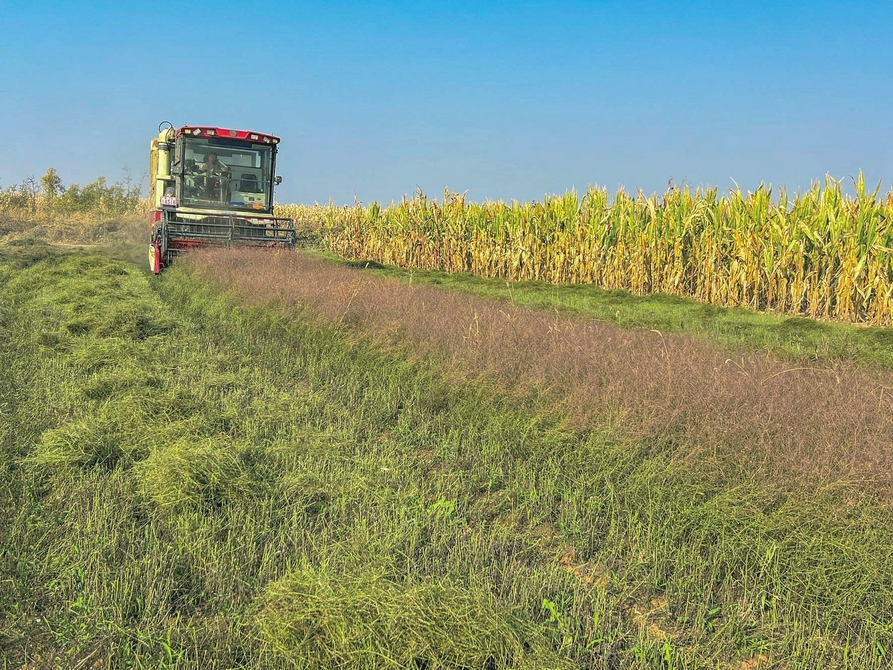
504	100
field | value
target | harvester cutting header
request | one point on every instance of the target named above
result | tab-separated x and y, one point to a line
211	185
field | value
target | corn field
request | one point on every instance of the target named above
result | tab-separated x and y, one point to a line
820	253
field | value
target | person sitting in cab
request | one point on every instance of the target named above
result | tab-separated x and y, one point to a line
215	185
213	166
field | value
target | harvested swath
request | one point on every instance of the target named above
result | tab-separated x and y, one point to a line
318	618
820	254
684	394
196	471
100	441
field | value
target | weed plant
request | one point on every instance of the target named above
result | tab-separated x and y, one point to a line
194	479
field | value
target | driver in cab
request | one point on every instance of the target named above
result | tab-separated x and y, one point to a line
213	167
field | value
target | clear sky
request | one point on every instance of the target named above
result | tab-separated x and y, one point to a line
504	100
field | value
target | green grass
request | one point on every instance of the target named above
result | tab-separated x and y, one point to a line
794	337
188	482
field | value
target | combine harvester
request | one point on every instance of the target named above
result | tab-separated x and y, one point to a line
210	185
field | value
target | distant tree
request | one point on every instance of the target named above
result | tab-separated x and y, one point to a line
29	191
99	197
51	184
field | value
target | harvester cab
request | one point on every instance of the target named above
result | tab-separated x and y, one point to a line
211	185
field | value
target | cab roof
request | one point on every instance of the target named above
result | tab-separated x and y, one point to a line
229	133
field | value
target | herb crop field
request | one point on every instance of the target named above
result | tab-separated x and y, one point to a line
277	461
